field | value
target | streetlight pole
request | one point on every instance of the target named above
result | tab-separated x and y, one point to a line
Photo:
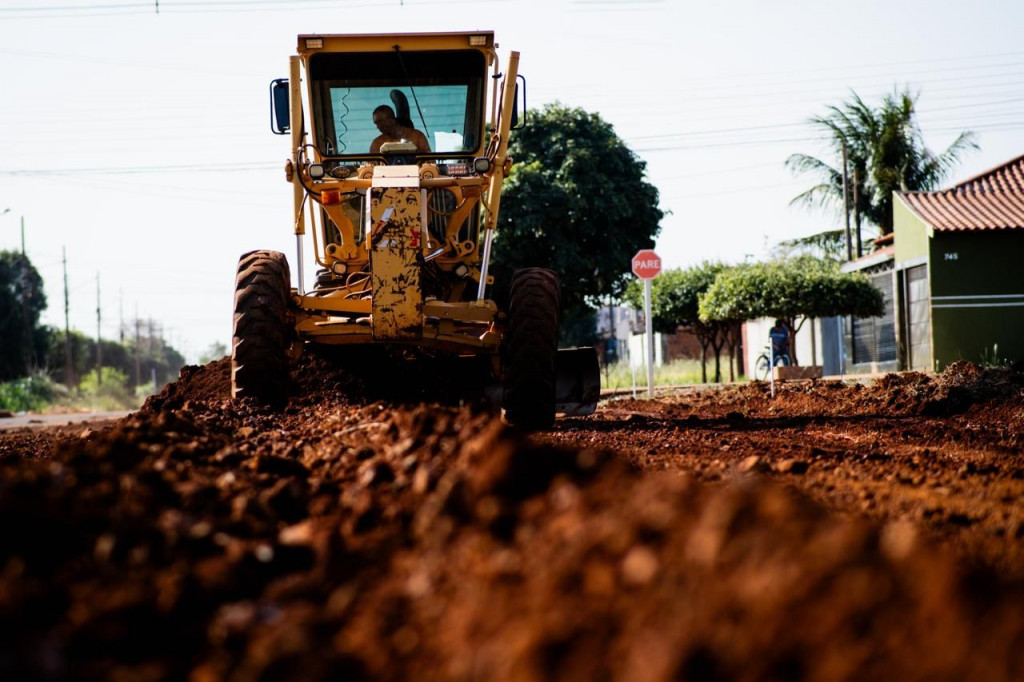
68	366
23	275
5	212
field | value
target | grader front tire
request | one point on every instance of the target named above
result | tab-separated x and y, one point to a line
530	349
262	330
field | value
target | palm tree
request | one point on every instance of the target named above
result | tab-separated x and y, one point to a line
886	153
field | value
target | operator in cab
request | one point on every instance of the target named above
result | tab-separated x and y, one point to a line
391	131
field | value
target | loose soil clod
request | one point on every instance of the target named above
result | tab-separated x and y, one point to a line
375	529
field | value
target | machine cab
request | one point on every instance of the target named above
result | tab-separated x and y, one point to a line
415	95
432	100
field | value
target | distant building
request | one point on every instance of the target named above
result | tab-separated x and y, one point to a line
616	326
620	331
951	278
961	251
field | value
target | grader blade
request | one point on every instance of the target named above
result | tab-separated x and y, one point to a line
577	381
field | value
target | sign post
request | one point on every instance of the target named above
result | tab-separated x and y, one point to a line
646	265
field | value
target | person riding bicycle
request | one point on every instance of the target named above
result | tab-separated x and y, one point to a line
779	335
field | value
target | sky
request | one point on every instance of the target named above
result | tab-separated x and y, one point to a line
135	136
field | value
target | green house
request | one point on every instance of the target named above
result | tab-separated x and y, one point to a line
958	270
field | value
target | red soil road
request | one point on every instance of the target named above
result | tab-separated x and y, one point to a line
374	531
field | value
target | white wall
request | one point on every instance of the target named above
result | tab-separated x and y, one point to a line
755	336
638	350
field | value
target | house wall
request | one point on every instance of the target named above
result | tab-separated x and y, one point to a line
637	350
977	294
910	233
683	345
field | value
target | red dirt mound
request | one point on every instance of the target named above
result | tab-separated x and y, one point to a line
836	532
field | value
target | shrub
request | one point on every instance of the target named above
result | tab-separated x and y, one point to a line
30	394
112	394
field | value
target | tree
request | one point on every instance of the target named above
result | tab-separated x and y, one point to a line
675	298
156	357
216	351
21	302
886	153
828	245
803	287
576	201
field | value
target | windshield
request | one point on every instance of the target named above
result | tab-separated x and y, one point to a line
432	99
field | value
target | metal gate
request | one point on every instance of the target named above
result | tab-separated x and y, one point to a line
918	319
874	338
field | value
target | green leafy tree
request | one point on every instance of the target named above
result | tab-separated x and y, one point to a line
83	355
214	352
577	202
885	148
30	393
156	358
111	392
828	245
21	302
675	298
804	288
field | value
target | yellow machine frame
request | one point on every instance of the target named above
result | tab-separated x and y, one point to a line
396	240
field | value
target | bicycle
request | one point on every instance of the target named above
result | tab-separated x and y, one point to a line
762	366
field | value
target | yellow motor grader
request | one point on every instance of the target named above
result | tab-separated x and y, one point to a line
398	153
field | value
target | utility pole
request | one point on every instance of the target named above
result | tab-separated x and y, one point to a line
30	361
154	348
25	317
138	342
856	210
99	336
846	206
68	370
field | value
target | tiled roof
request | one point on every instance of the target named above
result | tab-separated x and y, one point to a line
993	200
870	260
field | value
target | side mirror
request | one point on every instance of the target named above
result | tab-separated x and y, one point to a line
516	123
279	111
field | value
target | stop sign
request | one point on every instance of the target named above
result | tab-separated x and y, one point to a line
646	264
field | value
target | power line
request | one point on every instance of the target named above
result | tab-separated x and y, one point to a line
127	170
718	131
731	190
37	8
206	7
736	143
